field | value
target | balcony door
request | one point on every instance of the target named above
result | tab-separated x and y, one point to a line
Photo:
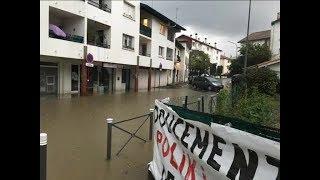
75	80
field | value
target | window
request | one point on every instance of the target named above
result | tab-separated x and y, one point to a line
145	22
162	29
207	48
217	52
169	54
124	77
129	10
193	44
128	42
161	51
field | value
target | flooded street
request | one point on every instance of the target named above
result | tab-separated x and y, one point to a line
77	129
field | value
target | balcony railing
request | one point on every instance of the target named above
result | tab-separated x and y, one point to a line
145	54
103	45
145	30
102	6
127	47
69	37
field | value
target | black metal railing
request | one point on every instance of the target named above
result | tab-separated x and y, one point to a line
103	6
145	30
111	124
69	37
128	47
145	54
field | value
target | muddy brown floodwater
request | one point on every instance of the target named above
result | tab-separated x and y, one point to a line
76	129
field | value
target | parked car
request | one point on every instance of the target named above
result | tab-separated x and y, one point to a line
190	79
207	83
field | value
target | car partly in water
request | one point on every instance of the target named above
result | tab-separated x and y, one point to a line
207	83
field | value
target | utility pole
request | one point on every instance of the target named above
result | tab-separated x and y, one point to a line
247	41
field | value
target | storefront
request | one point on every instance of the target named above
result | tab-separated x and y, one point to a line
48	78
100	78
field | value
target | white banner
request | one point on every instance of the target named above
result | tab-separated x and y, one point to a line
190	150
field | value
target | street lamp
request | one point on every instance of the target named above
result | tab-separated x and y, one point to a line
236	47
247	40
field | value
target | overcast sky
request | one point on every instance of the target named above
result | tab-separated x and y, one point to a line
219	21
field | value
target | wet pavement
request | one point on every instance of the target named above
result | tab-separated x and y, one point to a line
76	129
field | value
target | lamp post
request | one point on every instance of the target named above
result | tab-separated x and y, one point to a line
236	47
247	40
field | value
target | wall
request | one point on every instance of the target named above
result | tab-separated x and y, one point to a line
275	40
160	40
276	68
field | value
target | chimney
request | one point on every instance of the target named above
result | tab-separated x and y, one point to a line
278	15
196	35
205	40
215	44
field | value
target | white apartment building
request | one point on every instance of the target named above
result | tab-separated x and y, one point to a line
196	44
181	66
109	33
225	62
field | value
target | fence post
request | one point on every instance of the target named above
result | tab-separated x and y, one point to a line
151	125
211	104
198	103
186	102
109	134
202	100
43	156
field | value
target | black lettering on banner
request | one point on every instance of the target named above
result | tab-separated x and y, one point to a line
156	109
215	151
165	120
169	176
186	134
239	164
202	144
179	121
161	115
274	162
169	127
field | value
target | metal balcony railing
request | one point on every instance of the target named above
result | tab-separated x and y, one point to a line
103	6
145	30
145	54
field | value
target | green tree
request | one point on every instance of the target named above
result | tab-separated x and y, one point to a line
236	66
213	69
219	70
199	61
256	53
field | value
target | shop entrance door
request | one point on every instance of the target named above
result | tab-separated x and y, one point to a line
48	78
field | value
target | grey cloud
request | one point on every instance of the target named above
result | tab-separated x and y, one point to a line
222	20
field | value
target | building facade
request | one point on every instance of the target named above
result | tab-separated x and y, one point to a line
275	38
196	44
109	34
225	62
261	37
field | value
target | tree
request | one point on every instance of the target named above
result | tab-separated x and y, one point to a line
213	69
219	70
256	53
199	61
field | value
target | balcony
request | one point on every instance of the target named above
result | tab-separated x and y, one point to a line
169	54
65	26
145	30
144	46
104	5
98	34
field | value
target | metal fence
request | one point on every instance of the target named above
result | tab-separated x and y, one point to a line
111	125
204	103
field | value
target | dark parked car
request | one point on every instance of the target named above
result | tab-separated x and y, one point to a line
207	83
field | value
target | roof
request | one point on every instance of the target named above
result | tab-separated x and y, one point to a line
257	36
266	63
179	45
181	37
160	16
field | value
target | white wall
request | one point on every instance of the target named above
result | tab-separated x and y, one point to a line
213	53
160	40
275	39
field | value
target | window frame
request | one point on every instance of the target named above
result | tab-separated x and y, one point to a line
162	52
124	45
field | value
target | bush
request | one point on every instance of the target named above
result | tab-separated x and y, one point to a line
264	79
257	108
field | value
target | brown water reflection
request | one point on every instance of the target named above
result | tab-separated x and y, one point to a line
76	129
